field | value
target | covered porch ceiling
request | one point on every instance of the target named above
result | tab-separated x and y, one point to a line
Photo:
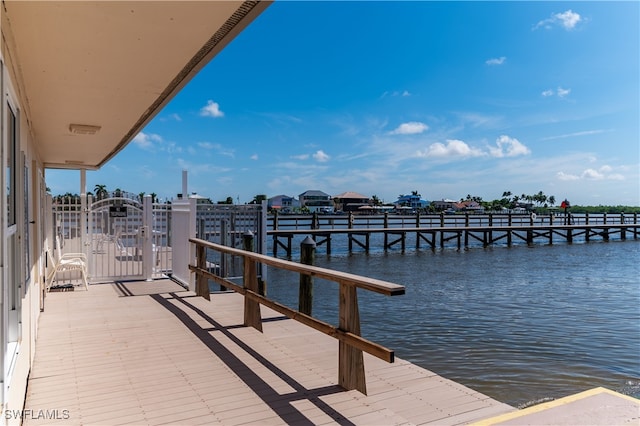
94	73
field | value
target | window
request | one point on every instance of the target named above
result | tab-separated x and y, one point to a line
10	178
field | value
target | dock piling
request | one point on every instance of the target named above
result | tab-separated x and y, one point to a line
305	295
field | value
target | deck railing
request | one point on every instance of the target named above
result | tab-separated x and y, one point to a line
351	373
285	222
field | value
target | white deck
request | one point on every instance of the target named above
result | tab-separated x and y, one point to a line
153	353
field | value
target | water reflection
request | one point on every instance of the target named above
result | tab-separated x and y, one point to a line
518	324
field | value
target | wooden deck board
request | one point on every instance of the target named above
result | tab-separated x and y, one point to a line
168	357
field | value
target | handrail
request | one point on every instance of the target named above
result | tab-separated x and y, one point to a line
520	227
371	284
351	345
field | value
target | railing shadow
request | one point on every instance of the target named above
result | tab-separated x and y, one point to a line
279	403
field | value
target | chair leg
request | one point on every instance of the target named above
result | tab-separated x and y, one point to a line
51	277
84	279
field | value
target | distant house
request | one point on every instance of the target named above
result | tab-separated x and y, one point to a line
470	206
444	204
282	203
450	206
411	201
316	201
350	201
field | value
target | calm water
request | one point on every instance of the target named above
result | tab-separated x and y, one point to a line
520	324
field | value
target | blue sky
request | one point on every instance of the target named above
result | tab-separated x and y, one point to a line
384	98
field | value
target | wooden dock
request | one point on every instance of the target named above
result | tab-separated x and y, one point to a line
154	353
461	235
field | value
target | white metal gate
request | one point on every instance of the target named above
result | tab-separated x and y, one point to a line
116	236
123	238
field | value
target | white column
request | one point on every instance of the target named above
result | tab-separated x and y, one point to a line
148	254
83	213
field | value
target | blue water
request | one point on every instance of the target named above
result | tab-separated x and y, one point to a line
520	324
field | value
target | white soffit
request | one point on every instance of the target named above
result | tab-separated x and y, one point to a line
92	73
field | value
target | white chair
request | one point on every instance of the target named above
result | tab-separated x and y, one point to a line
68	262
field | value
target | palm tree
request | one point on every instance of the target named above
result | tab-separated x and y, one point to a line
101	191
258	199
375	200
153	197
141	196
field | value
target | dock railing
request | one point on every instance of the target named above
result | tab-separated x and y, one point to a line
351	373
285	222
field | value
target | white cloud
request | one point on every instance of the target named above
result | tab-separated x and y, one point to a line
615	176
602	173
567	20
321	157
197	168
300	157
410	128
496	61
592	174
453	149
508	147
560	92
480	120
146	140
206	145
566	176
394	93
217	148
254	157
571	135
212	109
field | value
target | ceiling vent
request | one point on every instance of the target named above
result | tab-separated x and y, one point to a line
83	129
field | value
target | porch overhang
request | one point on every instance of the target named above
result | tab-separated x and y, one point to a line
92	74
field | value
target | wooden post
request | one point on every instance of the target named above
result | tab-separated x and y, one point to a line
385	226
202	283
315	223
305	294
490	239
275	219
350	360
252	316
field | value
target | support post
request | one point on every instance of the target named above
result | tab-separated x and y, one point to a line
148	255
305	294
385	226
350	360
202	283
252	317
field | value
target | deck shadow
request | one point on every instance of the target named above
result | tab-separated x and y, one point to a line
280	404
146	288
